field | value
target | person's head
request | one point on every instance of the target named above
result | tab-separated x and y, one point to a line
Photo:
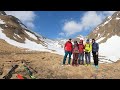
81	41
75	42
87	41
70	39
93	40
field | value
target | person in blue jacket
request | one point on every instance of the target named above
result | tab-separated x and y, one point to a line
95	49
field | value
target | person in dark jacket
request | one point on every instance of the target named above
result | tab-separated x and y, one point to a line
95	49
68	50
81	53
75	53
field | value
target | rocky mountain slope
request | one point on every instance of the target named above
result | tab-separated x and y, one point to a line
108	28
14	32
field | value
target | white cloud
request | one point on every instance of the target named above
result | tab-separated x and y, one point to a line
71	27
88	21
27	17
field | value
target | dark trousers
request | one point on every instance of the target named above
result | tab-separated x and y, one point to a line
95	58
75	58
66	54
87	57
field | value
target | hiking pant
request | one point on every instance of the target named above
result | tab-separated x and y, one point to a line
65	56
95	58
75	58
87	57
81	57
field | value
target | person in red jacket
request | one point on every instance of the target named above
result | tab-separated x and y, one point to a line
68	50
81	53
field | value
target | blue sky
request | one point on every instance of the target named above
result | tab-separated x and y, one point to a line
61	24
50	23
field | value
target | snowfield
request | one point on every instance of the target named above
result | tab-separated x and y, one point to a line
110	49
34	46
100	39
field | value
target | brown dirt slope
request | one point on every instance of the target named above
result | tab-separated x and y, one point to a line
48	66
6	48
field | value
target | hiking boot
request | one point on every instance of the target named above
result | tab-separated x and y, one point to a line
86	64
96	66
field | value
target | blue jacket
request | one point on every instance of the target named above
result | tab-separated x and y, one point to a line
95	47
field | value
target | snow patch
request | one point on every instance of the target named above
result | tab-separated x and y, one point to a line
109	17
97	28
17	35
2	22
98	34
14	37
117	18
100	39
106	21
112	58
6	26
31	35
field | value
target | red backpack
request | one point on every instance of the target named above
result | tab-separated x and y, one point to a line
75	49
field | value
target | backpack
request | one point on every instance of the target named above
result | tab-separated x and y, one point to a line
75	49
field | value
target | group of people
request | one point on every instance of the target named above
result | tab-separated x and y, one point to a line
79	50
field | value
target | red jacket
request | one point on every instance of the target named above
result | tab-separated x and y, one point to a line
81	48
68	46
